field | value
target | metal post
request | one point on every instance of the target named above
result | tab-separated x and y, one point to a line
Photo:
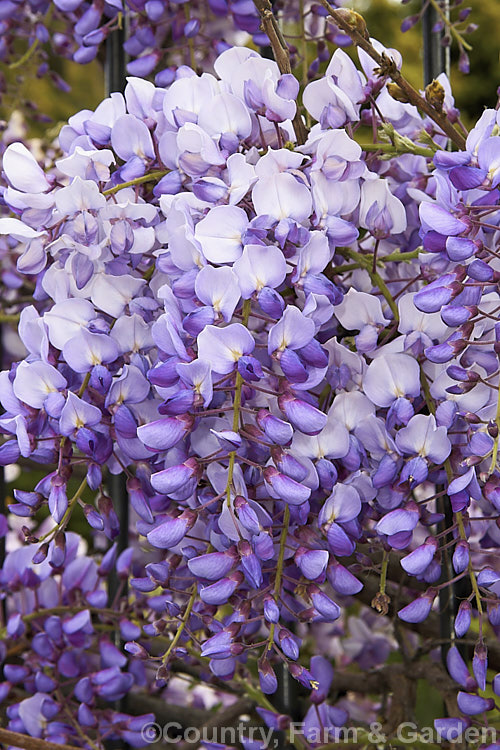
115	80
115	72
285	701
117	488
285	697
434	62
115	69
437	60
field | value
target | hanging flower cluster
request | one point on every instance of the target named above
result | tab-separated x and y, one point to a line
290	350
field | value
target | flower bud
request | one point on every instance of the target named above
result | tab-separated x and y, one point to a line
492	429
41	553
271	610
463	619
461	556
267	677
480	664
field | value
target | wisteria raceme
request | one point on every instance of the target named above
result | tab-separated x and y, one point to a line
291	352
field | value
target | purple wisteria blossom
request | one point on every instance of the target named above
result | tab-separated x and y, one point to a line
287	351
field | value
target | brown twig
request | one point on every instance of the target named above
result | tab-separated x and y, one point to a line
30	743
400	682
224	718
271	27
165	712
428	628
389	68
227	716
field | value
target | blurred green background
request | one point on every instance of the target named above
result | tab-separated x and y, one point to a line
472	92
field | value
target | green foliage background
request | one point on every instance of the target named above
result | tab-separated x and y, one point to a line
472	92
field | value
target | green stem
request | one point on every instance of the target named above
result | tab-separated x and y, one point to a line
182	626
472	576
362	260
70	714
365	262
187	16
255	694
458	515
377	280
453	31
305	66
281	555
65	609
337	270
64	520
137	181
427	391
62	609
494	455
84	384
391	258
148	275
24	59
236	409
33	47
279	570
237	402
383	572
389	148
397	257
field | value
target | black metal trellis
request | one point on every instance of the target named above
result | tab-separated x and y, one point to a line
435	57
115	70
285	698
115	80
117	489
436	60
285	701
